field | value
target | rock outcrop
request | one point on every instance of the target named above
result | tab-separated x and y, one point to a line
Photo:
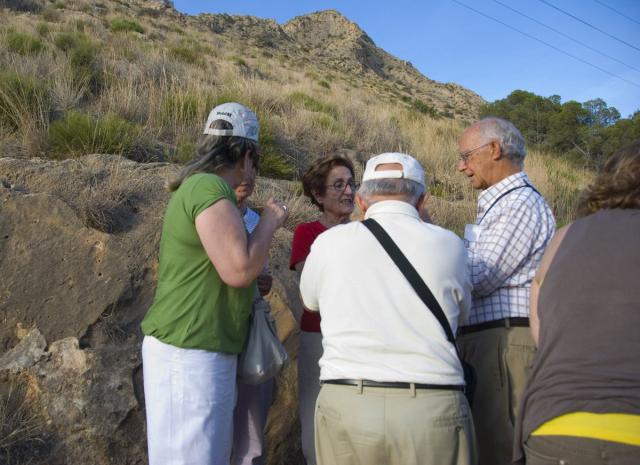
333	43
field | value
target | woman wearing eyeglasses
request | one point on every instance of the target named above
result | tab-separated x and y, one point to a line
330	185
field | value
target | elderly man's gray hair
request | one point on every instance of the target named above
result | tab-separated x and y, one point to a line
406	188
509	137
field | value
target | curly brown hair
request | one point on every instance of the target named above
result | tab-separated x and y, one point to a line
617	185
314	180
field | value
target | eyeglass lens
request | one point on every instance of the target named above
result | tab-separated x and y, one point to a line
341	184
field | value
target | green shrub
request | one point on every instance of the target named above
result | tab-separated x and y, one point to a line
275	166
186	54
23	100
224	97
118	25
272	163
23	44
309	103
185	152
239	61
82	54
326	122
65	41
43	29
324	84
424	108
180	110
79	134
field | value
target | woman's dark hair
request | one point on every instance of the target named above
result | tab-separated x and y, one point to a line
215	153
314	180
617	185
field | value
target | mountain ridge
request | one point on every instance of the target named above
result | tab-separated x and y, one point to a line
330	40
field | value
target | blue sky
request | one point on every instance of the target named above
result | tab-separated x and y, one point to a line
449	43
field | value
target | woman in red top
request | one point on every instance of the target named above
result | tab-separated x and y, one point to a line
331	187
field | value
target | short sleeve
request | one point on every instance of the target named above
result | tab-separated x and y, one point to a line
204	192
301	245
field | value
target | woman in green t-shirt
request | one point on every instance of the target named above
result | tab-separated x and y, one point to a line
199	319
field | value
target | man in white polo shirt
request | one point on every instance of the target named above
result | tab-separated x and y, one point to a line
391	381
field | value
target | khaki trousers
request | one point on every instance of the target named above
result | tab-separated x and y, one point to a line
502	358
390	426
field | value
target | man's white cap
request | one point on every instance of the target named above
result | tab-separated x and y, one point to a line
411	168
244	121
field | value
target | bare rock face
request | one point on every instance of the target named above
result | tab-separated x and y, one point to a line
58	274
78	261
332	35
83	397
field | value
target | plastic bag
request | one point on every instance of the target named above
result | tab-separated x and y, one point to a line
264	355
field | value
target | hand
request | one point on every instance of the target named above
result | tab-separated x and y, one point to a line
265	281
275	211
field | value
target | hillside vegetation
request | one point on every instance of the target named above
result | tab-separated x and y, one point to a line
585	132
138	78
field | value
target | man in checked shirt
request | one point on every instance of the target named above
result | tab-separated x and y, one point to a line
505	244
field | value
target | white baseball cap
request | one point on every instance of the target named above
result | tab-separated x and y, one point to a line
244	121
411	168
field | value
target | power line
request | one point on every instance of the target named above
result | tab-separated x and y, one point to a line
619	12
589	24
566	35
546	43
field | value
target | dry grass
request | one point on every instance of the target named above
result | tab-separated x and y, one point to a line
103	193
167	95
21	425
300	208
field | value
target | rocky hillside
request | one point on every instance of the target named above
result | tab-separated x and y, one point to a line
328	42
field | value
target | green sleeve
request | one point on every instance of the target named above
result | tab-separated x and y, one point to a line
206	190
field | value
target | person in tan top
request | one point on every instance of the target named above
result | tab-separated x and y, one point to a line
582	401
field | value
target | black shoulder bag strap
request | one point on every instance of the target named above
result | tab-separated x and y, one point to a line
423	292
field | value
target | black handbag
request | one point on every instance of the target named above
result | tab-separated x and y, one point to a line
425	295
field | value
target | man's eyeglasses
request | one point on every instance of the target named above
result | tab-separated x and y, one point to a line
464	156
340	185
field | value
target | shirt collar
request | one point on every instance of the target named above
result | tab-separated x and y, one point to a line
391	206
489	195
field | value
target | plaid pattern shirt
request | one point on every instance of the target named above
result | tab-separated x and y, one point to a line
513	230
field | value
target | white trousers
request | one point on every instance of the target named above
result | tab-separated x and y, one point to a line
189	396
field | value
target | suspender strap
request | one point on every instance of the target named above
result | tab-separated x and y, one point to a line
411	274
526	184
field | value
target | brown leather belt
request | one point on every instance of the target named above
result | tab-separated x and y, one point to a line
394	384
503	323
